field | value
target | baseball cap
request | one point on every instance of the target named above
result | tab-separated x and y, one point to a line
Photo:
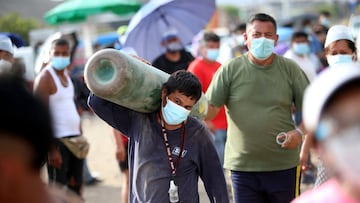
169	34
338	32
322	88
6	44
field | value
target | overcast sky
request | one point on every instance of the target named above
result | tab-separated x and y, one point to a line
237	2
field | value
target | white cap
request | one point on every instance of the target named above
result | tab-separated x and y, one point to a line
6	44
338	32
325	85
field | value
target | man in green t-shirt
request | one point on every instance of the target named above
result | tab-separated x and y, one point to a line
258	90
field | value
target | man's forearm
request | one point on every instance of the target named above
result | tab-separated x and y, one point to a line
212	112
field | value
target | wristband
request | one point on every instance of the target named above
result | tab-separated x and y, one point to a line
300	131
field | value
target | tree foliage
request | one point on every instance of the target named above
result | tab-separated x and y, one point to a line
232	14
232	11
12	22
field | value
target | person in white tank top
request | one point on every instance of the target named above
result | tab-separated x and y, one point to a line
53	85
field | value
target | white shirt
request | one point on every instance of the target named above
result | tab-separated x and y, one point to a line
307	63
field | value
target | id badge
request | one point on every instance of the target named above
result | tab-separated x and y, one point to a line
173	192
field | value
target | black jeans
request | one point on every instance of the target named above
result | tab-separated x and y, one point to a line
71	167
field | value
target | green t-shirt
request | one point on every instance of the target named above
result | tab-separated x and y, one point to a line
258	104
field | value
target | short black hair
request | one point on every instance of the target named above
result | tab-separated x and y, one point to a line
325	13
211	37
25	117
299	34
262	17
60	42
240	27
185	82
306	22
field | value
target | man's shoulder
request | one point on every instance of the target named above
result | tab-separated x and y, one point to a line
236	64
44	75
238	59
161	57
197	130
139	117
184	51
195	64
195	123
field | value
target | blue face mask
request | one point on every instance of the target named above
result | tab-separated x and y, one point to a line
301	48
339	58
212	54
262	48
174	114
307	30
325	22
323	130
59	62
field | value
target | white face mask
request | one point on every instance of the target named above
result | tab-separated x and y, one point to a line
5	65
344	151
174	46
339	58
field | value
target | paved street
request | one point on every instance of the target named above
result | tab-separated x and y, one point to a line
101	160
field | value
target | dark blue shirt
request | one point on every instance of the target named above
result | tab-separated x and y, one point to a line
150	172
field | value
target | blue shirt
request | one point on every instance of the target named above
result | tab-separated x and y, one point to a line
150	172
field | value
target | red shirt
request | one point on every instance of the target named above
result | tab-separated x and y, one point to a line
124	139
205	71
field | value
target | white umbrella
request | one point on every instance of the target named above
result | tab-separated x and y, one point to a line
147	26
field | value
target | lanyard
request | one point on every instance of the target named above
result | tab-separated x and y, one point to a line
168	150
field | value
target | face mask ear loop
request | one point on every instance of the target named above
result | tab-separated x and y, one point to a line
354	57
162	107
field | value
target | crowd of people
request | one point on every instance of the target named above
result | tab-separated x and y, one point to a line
267	114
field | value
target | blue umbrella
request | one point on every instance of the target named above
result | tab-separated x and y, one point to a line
107	38
16	39
148	25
